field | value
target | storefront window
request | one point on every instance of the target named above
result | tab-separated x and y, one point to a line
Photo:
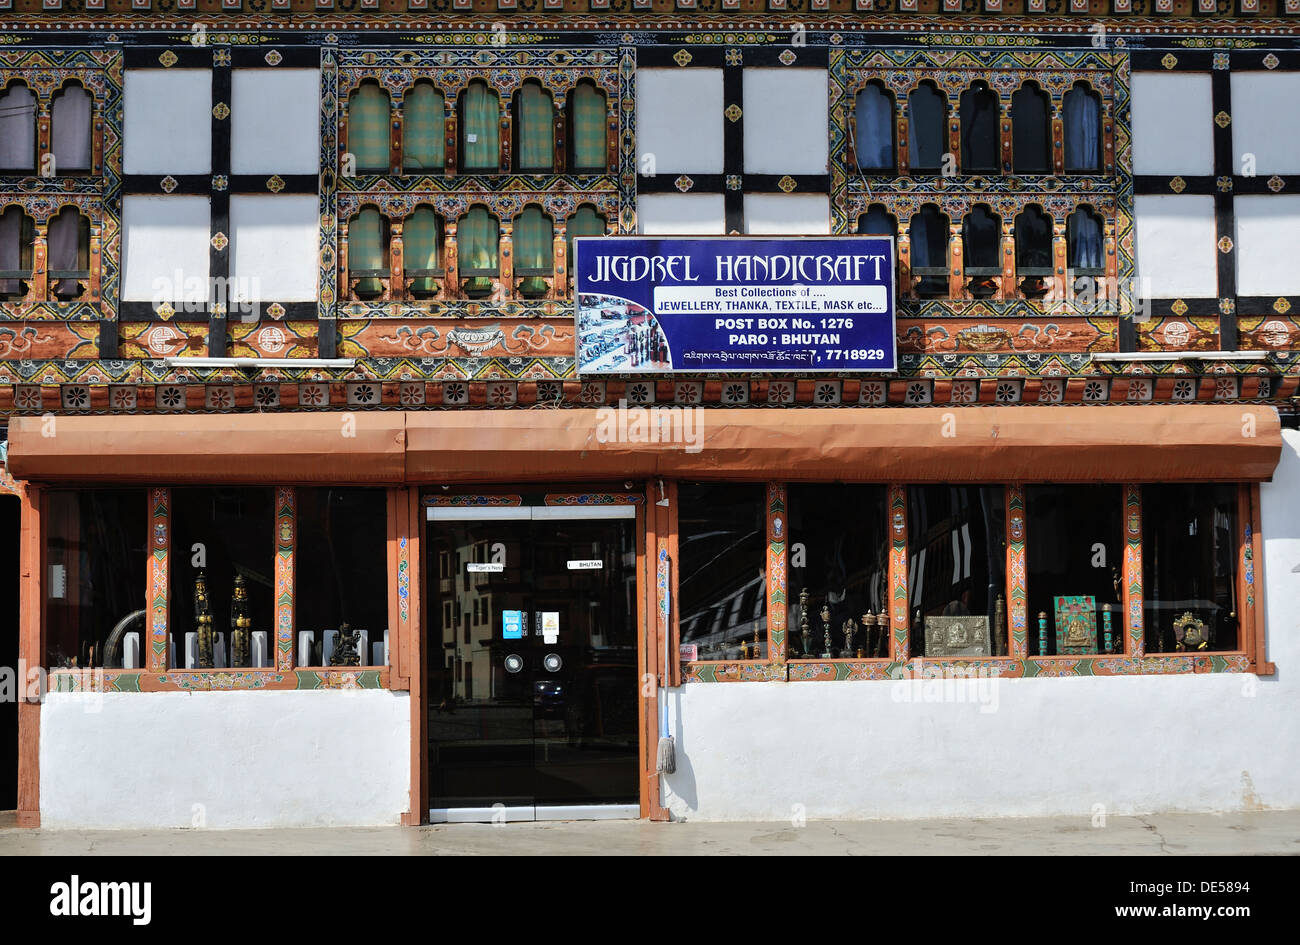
341	573
1074	552
226	537
722	591
95	578
957	570
1189	567
839	555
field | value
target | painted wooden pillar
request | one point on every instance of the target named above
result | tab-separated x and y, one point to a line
954	136
560	136
956	263
1060	259
1245	573
1017	583
1007	284
905	284
611	121
503	137
96	261
286	545
1134	637
559	257
40	264
904	145
344	278
900	643
396	283
406	636
451	283
31	652
96	138
849	117
395	136
1108	140
43	137
1260	662
1006	142
506	262
1058	140
451	145
661	614
1111	262
777	572
159	582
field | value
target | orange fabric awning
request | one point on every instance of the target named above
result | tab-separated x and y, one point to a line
1111	443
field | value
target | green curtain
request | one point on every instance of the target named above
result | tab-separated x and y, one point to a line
423	135
480	149
422	245
534	249
586	222
536	129
366	249
588	128
477	241
368	122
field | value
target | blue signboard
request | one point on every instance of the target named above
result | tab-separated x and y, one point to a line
659	304
512	624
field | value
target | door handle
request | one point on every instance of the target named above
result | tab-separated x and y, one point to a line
552	662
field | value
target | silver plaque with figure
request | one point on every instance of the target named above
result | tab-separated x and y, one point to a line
957	636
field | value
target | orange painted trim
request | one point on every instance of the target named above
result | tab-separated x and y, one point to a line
158	579
1258	631
665	544
1017	573
286	563
31	652
645	711
414	648
397	515
778	559
900	642
1133	617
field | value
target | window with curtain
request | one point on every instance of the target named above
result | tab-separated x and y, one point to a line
586	222
926	128
1082	130
929	239
17	129
422	252
423	134
979	130
587	129
1084	240
17	239
534	129
70	130
534	236
480	148
877	222
1031	130
477	243
368	252
980	235
874	122
69	253
1033	252
368	128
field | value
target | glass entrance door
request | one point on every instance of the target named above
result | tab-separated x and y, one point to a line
532	663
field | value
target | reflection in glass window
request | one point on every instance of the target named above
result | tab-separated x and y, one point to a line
1074	548
926	128
874	123
97	546
956	537
341	568
227	534
877	222
839	554
1190	543
979	130
721	586
929	241
1031	130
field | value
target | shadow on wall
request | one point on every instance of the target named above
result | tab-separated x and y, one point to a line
682	781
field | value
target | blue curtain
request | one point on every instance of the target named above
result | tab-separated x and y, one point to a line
1084	241
875	129
1082	130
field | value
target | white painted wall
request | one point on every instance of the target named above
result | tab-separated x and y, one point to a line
165	238
167	121
1173	123
274	242
1265	122
247	759
1176	251
1214	742
681	215
1268	244
679	120
787	130
275	121
787	214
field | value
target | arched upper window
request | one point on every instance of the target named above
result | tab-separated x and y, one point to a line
874	128
17	239
1082	130
927	128
1031	130
979	129
534	129
368	253
981	232
1033	251
585	222
70	130
534	241
17	129
68	254
478	236
1085	250
422	252
587	129
877	221
424	136
368	128
480	141
929	239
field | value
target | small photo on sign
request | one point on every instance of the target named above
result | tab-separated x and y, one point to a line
619	335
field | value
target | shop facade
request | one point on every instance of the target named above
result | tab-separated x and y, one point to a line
342	535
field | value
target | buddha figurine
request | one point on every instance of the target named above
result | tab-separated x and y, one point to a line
203	622
240	624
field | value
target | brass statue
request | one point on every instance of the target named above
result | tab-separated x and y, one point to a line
826	628
850	628
754	646
240	624
805	632
203	621
345	650
1190	633
999	625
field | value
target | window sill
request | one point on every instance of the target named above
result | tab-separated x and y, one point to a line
203	680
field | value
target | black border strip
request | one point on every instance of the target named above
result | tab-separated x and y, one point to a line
662	57
219	257
1257	305
733	142
1224	214
144	312
188	56
1158	184
256	184
1196	308
1151	60
291	57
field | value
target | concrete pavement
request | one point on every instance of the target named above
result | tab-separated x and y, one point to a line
1265	832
